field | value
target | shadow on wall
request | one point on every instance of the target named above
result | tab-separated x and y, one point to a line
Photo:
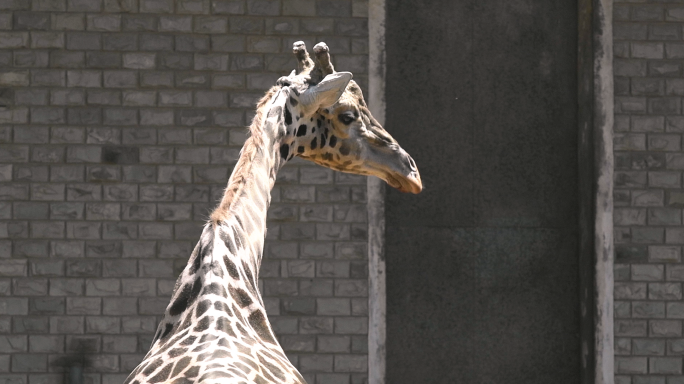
73	364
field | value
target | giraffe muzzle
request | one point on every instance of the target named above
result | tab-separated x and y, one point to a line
411	183
408	180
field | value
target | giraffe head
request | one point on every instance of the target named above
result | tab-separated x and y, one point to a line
328	123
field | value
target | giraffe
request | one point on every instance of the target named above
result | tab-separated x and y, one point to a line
215	328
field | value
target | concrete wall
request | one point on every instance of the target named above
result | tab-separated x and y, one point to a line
482	267
649	160
122	122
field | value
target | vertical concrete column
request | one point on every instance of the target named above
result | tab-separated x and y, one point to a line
376	201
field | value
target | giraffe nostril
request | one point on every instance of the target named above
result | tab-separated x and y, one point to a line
412	164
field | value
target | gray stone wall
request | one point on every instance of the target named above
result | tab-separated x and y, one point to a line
649	270
121	122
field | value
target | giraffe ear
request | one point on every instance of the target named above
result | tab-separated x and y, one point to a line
327	92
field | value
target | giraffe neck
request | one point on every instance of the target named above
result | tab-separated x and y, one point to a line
216	318
248	194
247	198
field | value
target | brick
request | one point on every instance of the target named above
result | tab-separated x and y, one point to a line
84	5
153	306
210	99
629	216
664	291
67	97
46	306
663	68
675	347
83	41
47	268
103	135
138	324
102	325
48	230
83	268
6	172
643	272
10	40
675	311
139	136
263	7
120	42
675	273
103	287
194	117
298	343
139	23
29	363
664	142
674	235
31	97
65	59
351	363
674	14
14	78
84	78
175	24
665	365
46	343
68	21
13	268
351	325
103	22
664	32
87	154
31	59
665	328
139	60
648	198
316	363
120	79
299	7
174	212
120	5
33	325
119	344
103	60
175	98
664	254
648	50
632	365
66	287
49	5
103	173
156	6
156	43
176	61
120	116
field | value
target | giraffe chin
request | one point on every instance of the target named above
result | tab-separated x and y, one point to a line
406	184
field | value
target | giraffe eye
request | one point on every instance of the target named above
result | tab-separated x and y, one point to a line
346	118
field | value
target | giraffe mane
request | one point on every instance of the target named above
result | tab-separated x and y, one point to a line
240	176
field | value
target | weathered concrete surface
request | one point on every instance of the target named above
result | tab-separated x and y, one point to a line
377	304
595	125
482	267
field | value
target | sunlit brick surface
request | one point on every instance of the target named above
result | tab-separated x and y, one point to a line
121	122
649	270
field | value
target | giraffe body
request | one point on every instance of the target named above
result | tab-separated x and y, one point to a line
215	328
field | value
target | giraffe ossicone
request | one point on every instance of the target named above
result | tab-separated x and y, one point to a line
215	328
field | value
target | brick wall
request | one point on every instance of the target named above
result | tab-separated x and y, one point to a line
122	120
649	270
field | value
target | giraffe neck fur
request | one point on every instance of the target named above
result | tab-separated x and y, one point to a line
215	327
